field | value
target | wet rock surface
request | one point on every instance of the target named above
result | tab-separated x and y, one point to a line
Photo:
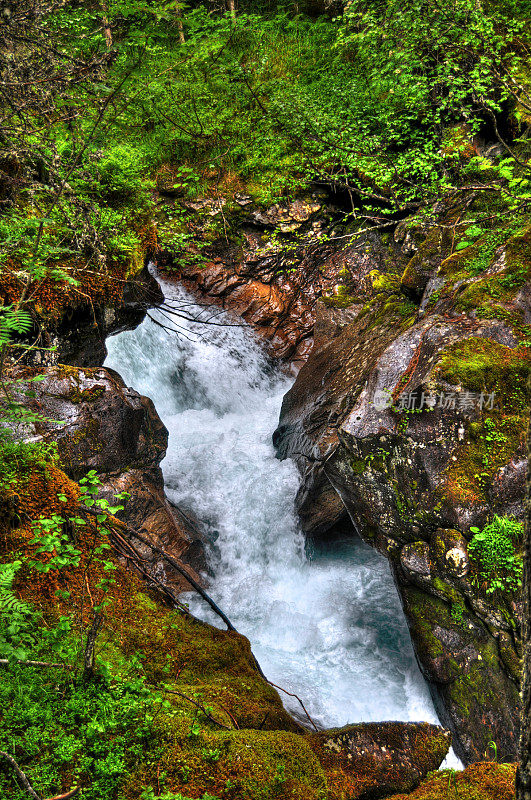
114	430
78	335
418	423
408	413
272	266
372	760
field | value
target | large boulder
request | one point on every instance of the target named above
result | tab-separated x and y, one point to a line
100	424
416	415
374	759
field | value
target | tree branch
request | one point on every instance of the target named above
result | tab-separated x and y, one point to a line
4	662
21	775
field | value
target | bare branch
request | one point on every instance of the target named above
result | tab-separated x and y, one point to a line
21	775
4	662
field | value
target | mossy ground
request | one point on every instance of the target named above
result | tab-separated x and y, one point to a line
252	750
488	781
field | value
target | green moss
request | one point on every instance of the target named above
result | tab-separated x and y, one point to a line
358	466
420	268
448	591
86	395
480	364
341	298
518	255
492	296
481	687
478	256
510	658
423	610
247	764
482	781
478	458
470	673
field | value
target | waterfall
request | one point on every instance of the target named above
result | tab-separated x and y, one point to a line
324	621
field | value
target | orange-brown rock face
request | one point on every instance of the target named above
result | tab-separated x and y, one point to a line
277	272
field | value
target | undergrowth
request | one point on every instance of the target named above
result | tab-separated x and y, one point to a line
496	552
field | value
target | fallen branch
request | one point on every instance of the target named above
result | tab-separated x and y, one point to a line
21	775
233	719
4	662
199	589
65	796
151	578
23	778
88	661
291	694
175	564
201	708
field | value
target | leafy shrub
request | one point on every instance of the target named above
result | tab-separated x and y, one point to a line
18	458
494	552
93	731
119	172
149	794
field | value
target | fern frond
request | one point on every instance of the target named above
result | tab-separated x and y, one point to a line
9	602
13	320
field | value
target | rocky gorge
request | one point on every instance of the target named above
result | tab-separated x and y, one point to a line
363	326
99	424
265	349
408	414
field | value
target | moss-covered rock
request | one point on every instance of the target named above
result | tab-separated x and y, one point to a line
426	261
461	658
482	781
371	760
484	365
419	424
242	764
99	423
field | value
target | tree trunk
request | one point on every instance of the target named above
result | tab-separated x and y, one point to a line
92	635
180	26
232	8
523	776
106	27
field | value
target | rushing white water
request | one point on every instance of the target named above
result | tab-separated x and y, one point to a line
326	623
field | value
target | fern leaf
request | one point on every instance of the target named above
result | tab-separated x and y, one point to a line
9	602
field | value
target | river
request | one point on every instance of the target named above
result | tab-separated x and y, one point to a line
324	622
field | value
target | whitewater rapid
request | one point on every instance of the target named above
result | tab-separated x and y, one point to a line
326	622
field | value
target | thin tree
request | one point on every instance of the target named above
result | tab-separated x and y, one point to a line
523	775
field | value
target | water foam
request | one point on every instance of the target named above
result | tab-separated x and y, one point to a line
324	622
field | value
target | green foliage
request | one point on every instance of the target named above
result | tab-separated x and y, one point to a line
495	554
13	320
150	794
94	733
9	602
21	633
18	458
458	614
382	101
16	617
54	541
485	249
